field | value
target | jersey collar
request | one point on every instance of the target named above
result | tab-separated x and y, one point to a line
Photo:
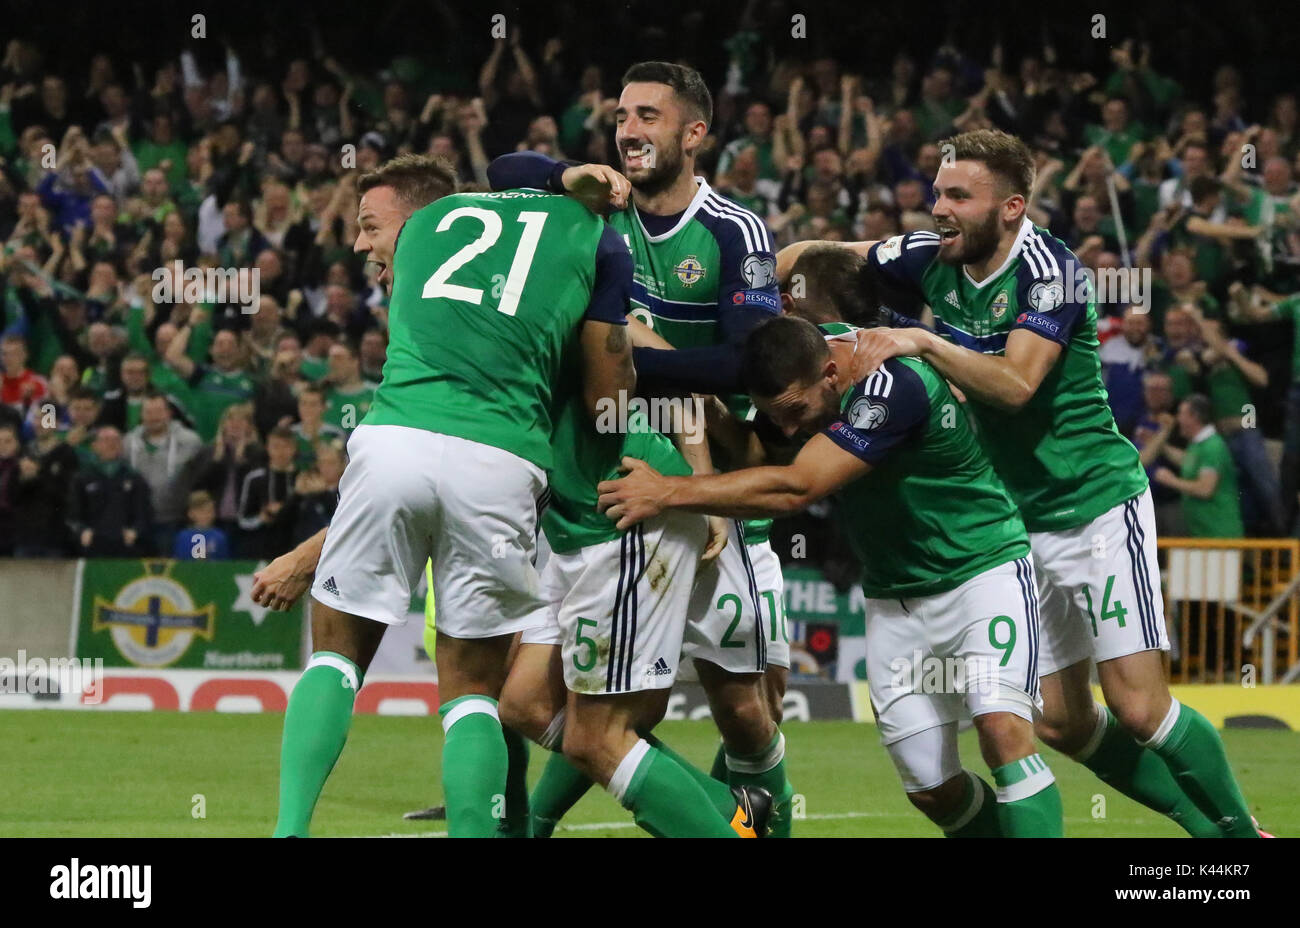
1026	227
686	216
1205	432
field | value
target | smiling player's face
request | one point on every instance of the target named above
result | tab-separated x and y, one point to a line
649	134
379	219
966	211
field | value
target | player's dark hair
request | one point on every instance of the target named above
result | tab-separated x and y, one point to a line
82	392
1200	406
1004	155
687	84
417	180
780	353
838	281
313	388
282	432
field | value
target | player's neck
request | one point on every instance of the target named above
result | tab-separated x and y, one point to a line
672	199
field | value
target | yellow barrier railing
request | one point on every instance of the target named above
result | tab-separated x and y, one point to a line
1232	607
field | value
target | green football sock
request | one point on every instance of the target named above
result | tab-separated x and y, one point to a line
559	789
767	769
718	791
1029	804
1137	772
474	764
516	821
719	769
664	799
1189	744
316	727
978	817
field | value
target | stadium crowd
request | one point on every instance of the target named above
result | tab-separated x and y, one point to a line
134	426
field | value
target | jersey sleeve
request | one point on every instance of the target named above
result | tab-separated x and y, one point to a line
1049	303
902	260
526	169
611	294
883	411
747	287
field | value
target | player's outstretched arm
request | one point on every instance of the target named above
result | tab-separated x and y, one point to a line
1008	381
821	468
280	584
599	187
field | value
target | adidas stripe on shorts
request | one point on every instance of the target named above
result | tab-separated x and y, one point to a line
618	609
1099	587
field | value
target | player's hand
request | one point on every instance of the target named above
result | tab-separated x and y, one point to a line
717	539
876	346
1163	475
638	496
280	584
598	187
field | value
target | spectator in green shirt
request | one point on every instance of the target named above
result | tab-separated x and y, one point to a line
212	387
1208	479
348	396
1116	135
162	150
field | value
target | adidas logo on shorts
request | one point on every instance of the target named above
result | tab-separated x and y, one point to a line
658	669
329	587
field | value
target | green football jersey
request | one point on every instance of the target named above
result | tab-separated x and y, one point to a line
584	456
932	513
211	392
718	254
346	410
1290	309
1061	455
1220	515
488	289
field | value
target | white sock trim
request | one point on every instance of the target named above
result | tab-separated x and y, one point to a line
554	733
469	707
977	803
1039	777
626	768
1098	732
763	762
1162	733
338	663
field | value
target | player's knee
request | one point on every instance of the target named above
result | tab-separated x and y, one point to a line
939	803
1003	737
529	717
1140	715
745	721
1063	732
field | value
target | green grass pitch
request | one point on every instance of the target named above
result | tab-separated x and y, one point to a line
91	773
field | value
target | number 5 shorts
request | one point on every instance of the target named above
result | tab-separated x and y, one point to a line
410	495
617	609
